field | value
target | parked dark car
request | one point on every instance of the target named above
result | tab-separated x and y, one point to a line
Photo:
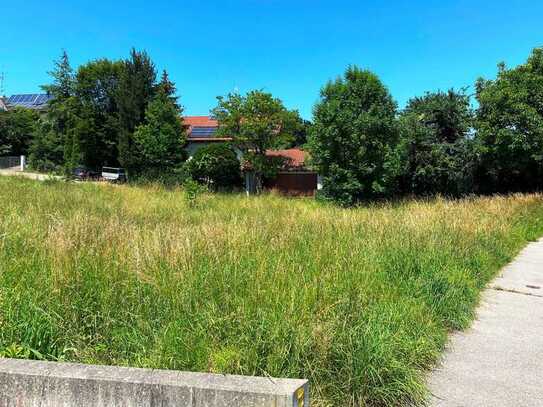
82	173
114	174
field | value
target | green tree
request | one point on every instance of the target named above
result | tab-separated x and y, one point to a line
137	87
159	142
301	133
54	139
97	122
17	127
63	80
215	165
256	122
438	156
353	138
168	86
510	127
46	151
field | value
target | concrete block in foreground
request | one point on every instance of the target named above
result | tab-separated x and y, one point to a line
26	383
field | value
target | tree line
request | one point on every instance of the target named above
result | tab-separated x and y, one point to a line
116	113
119	113
109	113
439	144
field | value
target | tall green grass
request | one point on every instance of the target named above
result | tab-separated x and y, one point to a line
358	301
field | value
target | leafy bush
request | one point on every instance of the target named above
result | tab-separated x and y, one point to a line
353	137
510	127
46	151
192	191
436	154
215	165
17	128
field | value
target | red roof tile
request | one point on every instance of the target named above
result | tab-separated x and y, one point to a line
296	157
200	121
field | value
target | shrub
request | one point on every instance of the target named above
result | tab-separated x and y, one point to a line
192	191
46	151
215	165
510	127
353	137
435	149
17	128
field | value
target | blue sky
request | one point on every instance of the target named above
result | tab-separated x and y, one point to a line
290	48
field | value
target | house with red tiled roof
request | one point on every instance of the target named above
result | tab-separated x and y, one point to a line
294	178
201	131
295	158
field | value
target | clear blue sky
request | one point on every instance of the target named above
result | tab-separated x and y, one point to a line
290	48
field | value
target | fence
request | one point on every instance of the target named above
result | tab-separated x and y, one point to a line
16	163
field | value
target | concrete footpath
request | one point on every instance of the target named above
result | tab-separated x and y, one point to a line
499	360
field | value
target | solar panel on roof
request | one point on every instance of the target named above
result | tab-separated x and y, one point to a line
203	131
34	100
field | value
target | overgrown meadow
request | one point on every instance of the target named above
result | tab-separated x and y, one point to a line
359	301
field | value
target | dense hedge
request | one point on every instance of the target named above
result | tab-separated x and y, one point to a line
439	144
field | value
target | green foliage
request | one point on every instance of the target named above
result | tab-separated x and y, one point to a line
111	113
301	133
215	165
353	138
447	114
170	178
510	127
168	87
436	152
17	128
63	80
96	114
46	151
135	91
55	142
15	351
159	142
256	122
115	113
192	191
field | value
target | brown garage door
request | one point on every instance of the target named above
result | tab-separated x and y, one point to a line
294	183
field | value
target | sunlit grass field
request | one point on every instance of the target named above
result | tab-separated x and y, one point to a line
359	301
